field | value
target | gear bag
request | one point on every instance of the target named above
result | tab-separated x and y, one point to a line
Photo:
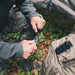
60	59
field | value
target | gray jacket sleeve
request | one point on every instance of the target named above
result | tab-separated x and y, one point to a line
28	9
65	6
8	50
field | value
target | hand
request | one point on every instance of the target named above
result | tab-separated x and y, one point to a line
28	48
37	22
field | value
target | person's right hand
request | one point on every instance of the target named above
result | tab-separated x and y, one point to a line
28	48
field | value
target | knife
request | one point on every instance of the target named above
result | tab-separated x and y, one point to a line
39	37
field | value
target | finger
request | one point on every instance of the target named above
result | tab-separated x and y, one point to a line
29	50
30	41
34	26
34	47
29	54
33	52
25	56
41	24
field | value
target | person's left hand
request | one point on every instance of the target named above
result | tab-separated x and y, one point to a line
37	22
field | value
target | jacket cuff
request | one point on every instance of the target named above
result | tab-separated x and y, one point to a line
19	53
32	14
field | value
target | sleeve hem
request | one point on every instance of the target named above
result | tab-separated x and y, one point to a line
19	53
34	14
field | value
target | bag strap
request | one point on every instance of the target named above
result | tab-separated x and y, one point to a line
48	7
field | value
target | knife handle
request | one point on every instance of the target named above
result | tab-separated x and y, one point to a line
38	30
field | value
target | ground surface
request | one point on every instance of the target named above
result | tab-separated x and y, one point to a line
56	27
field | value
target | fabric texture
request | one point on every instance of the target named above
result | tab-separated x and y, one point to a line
26	11
60	59
66	7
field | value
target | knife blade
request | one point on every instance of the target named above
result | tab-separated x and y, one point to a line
38	39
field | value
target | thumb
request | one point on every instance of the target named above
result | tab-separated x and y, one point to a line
30	41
